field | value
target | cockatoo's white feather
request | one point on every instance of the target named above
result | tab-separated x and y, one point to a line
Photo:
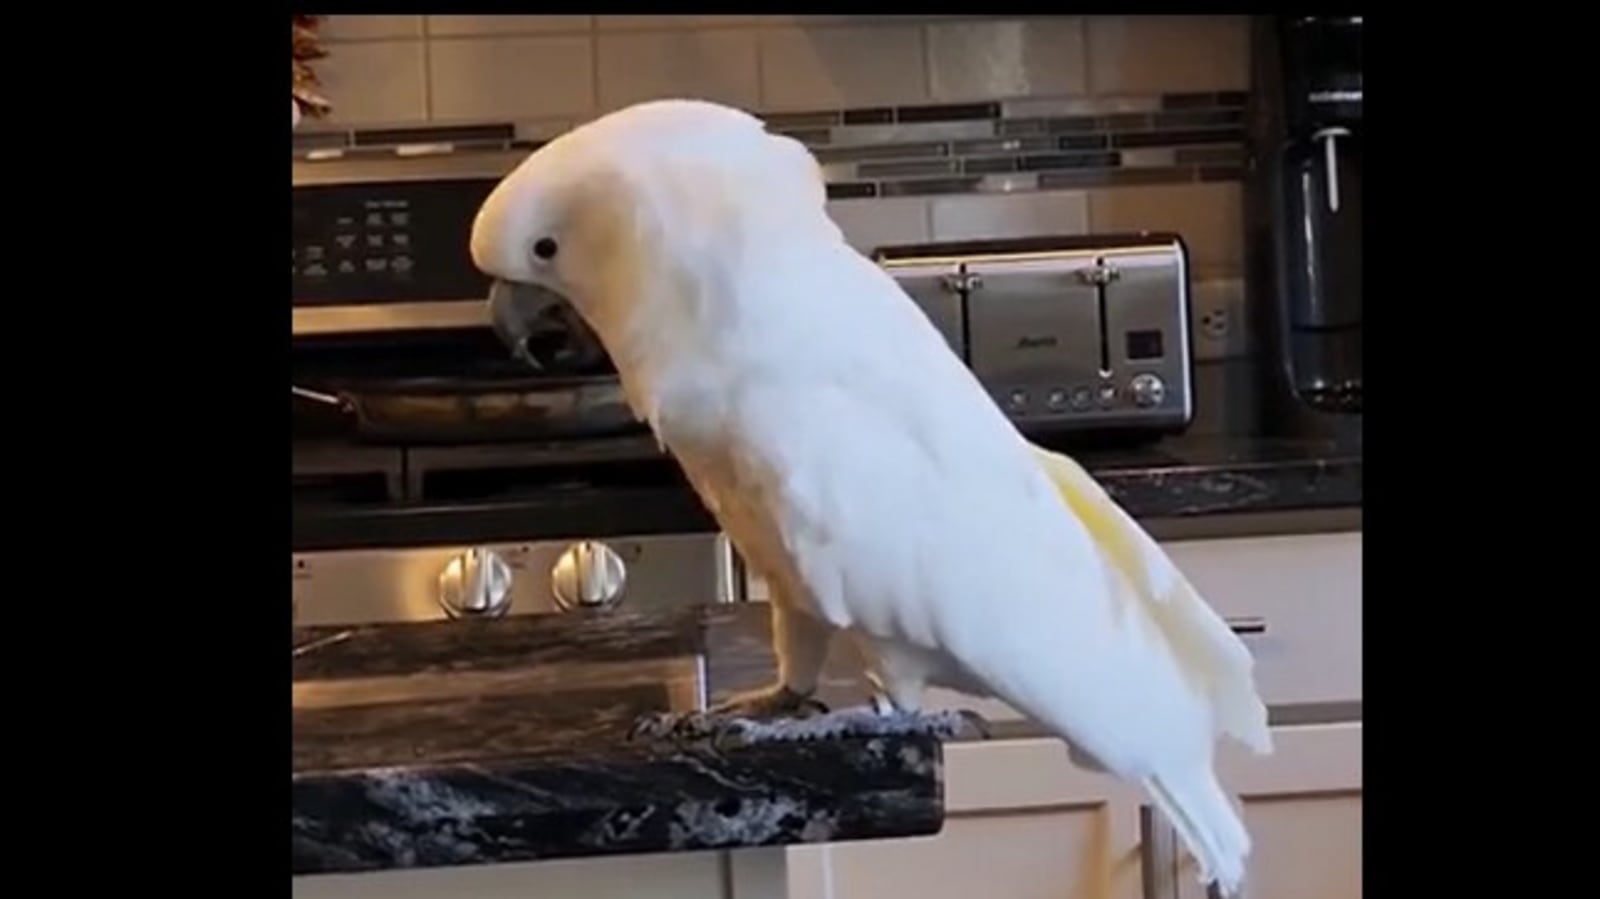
858	464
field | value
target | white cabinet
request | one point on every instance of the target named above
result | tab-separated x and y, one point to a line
1024	823
741	874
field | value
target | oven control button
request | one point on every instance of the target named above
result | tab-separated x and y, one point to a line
475	584
1148	390
588	574
1106	395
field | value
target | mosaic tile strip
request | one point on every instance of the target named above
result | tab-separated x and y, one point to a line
999	147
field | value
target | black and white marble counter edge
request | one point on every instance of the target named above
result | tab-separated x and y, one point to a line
497	778
1188	478
610	804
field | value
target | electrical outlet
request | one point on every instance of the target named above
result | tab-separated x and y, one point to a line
1221	328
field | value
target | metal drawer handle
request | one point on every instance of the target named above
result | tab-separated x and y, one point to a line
1247	625
1159	860
1158	855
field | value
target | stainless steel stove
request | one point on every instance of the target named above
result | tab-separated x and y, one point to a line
389	320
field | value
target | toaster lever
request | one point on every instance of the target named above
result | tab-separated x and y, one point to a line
1100	275
962	282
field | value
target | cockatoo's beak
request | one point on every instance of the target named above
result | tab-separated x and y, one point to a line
540	327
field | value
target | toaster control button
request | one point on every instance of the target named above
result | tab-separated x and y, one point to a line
1018	399
1148	390
1057	398
1107	395
1081	398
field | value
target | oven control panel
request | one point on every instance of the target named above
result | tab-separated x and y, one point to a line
371	586
386	242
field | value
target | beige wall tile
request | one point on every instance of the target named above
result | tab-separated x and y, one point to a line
1156	54
705	65
367	28
984	216
630	23
501	79
866	65
1208	216
868	224
467	26
1007	58
375	82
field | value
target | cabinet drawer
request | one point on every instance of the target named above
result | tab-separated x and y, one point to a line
1298	601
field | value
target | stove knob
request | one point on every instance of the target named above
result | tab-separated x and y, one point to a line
1147	390
476	584
589	574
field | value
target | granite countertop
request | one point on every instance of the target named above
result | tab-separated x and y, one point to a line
1184	478
468	742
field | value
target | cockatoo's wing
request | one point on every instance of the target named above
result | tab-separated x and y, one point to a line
1193	628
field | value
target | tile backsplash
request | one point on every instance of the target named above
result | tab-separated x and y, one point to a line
928	127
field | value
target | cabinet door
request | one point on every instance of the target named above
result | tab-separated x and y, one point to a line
1022	823
1303	807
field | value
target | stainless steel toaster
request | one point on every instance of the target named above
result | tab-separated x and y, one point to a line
1067	333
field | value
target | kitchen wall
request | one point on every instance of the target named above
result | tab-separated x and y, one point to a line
930	127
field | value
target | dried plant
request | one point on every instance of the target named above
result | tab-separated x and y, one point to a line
307	47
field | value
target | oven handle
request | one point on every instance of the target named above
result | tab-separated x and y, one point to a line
319	397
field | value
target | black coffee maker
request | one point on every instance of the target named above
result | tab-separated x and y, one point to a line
1303	221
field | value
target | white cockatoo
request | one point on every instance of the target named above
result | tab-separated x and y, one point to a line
860	468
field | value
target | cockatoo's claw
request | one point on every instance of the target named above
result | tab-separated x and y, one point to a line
780	715
977	723
852	723
729	717
655	726
692	727
772	702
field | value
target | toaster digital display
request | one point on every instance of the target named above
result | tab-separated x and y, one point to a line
1144	345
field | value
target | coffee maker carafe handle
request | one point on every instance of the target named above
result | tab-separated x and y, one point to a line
1329	136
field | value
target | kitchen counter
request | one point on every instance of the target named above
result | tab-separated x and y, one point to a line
460	743
1187	479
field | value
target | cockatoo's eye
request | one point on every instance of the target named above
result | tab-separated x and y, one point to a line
545	248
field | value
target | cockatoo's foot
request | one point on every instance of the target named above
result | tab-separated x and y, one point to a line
859	722
772	702
862	721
